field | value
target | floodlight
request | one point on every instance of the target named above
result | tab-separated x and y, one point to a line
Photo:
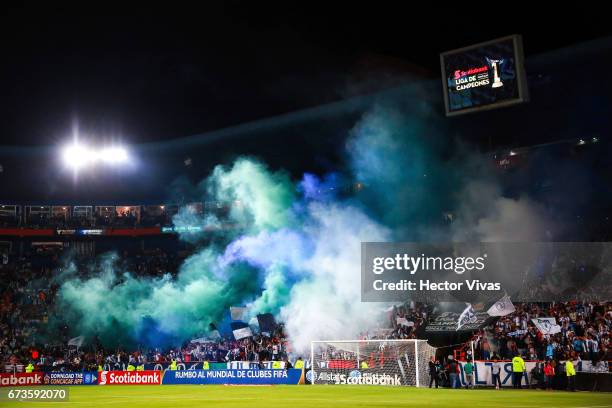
77	156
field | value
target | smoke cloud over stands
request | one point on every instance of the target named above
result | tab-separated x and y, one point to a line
294	250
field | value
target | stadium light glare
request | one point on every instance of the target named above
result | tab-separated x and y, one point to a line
77	156
114	155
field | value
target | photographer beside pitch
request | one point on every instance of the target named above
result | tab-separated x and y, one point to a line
433	372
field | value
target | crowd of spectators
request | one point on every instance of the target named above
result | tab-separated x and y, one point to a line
26	297
100	216
402	322
58	357
585	333
407	320
256	349
118	219
153	262
27	301
7	221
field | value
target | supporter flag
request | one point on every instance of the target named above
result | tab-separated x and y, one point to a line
214	333
266	322
547	325
201	340
517	333
467	316
237	313
242	333
76	341
404	322
241	330
502	307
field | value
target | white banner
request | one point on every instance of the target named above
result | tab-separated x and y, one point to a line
502	307
547	325
243	333
483	376
202	340
588	367
404	322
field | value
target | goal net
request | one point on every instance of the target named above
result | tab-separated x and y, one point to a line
376	362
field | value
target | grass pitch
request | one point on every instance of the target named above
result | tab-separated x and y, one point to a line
309	396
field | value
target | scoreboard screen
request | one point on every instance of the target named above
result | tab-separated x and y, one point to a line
484	76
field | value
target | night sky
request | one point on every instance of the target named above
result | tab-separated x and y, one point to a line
147	75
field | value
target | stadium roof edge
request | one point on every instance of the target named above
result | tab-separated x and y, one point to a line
346	106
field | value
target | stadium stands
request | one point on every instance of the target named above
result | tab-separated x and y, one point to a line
27	299
118	216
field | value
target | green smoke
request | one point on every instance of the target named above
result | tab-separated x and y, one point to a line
120	308
262	200
297	258
115	305
399	159
275	294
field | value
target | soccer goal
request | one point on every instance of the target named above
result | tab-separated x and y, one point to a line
376	362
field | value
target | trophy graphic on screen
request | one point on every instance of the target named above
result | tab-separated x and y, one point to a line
496	64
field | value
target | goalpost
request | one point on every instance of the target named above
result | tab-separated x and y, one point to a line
376	362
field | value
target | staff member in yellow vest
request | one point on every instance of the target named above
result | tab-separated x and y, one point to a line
570	371
131	367
140	367
364	365
518	368
299	364
276	365
29	368
173	365
205	365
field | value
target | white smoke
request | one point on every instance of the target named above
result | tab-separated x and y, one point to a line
324	301
485	215
327	305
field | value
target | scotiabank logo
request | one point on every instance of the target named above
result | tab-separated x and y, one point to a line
129	378
460	74
12	380
355	377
